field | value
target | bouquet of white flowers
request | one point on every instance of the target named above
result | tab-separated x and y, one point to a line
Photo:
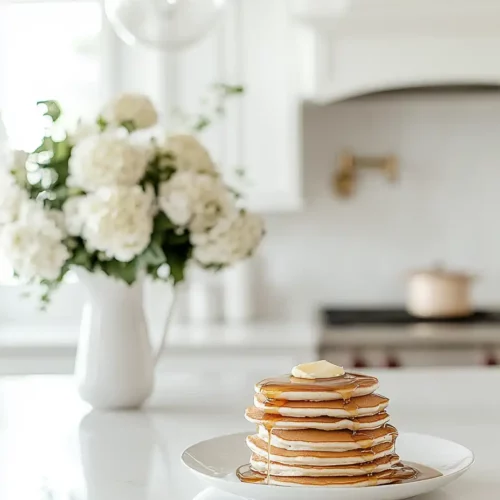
108	200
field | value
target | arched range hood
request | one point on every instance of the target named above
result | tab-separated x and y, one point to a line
352	48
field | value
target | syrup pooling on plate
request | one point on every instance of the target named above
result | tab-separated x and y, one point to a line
401	473
422	472
247	475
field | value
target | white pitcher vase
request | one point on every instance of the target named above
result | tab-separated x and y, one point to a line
115	362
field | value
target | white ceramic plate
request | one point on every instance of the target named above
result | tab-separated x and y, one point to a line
216	460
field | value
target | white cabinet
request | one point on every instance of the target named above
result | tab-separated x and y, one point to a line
363	46
254	45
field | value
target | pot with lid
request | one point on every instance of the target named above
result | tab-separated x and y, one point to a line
438	293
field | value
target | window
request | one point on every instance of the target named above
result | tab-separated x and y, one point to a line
49	50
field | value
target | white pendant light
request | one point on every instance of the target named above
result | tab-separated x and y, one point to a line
163	24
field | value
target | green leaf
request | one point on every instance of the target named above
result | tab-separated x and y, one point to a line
162	223
125	271
152	271
214	267
82	258
129	125
101	123
52	109
177	267
228	90
177	258
62	170
202	122
153	255
48	287
46	145
177	239
62	192
61	150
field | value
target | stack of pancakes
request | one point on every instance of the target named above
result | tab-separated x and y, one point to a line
323	432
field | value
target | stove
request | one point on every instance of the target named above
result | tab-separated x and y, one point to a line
389	317
391	337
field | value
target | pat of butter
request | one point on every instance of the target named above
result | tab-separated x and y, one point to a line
318	369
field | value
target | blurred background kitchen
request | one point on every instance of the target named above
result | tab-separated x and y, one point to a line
368	134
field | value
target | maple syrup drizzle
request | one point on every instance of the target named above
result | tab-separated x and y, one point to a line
270	432
350	406
355	424
269	428
345	385
404	472
246	475
363	438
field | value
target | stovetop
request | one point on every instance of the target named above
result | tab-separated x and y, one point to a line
397	316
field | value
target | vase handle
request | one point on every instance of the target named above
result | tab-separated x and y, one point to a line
168	321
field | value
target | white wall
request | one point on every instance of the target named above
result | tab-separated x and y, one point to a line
358	251
445	208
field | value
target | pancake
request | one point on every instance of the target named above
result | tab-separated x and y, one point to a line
275	421
259	464
313	440
304	457
325	432
393	475
291	388
356	407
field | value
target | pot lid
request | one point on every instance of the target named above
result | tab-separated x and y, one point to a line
439	271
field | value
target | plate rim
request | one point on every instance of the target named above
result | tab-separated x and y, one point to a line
385	487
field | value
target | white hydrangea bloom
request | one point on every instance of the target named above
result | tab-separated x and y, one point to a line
231	240
33	244
74	215
82	131
194	200
58	217
12	198
135	108
118	221
108	159
189	153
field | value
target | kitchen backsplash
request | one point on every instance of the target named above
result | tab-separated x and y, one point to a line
444	209
358	251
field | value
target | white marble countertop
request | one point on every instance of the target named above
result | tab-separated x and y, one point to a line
50	348
256	334
53	448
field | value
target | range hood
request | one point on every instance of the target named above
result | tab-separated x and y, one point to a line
352	48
